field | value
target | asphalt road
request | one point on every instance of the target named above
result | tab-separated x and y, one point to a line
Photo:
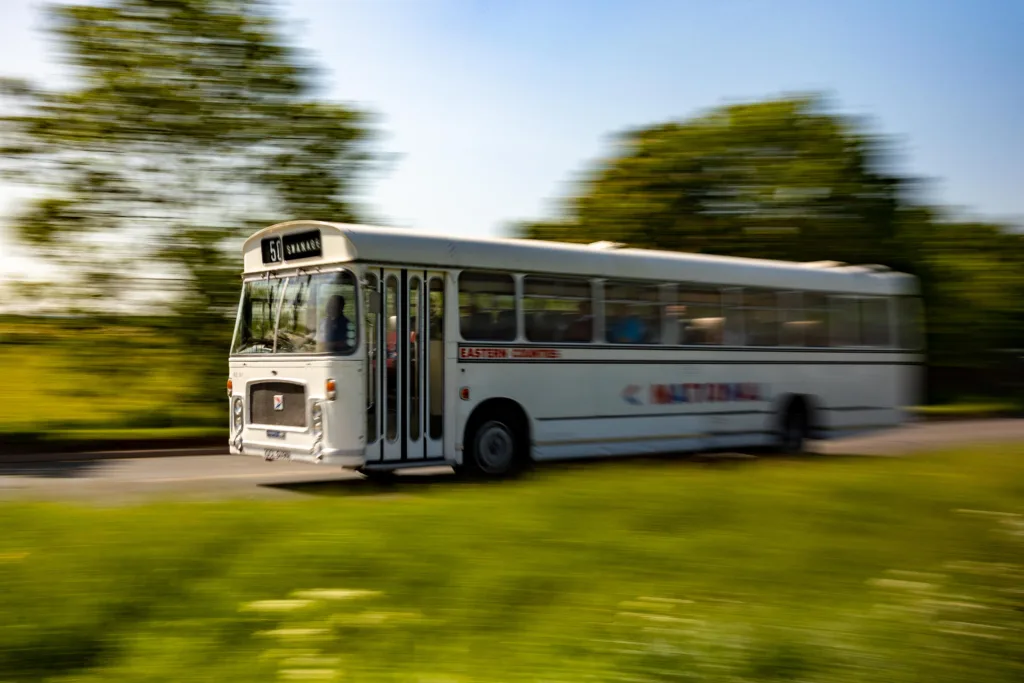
208	476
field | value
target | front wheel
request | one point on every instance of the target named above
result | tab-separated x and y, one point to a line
493	448
380	477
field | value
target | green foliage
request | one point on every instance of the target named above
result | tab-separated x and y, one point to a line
840	569
780	178
189	123
976	290
66	374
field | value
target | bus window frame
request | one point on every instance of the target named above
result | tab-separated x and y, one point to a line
521	304
357	272
659	301
731	301
238	317
889	330
515	277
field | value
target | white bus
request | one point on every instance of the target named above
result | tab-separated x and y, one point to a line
379	349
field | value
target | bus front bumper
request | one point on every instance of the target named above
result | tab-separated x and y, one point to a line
337	457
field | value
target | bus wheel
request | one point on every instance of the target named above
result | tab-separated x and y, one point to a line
379	476
493	448
793	429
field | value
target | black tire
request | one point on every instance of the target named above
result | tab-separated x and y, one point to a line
380	477
793	430
494	447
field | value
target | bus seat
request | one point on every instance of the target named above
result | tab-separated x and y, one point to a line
506	324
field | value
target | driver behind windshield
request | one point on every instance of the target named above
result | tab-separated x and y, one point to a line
334	330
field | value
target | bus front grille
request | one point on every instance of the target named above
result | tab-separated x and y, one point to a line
277	403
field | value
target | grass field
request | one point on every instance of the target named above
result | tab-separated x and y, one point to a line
94	379
972	408
822	569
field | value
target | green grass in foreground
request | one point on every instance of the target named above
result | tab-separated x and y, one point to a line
825	569
58	379
969	409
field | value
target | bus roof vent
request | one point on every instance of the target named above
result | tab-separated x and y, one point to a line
824	264
876	268
605	244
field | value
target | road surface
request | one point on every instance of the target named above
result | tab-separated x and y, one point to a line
219	476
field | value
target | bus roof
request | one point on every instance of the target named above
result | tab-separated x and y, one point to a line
346	243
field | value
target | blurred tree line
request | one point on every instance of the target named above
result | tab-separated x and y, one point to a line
191	123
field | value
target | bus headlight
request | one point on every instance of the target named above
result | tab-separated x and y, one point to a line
318	421
317	414
236	413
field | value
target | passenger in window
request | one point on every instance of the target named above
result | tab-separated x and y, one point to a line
336	332
582	328
651	326
629	328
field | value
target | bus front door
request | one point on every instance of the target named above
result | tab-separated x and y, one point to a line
403	426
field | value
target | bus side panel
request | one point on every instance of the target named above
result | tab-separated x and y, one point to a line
543	390
667	404
855	393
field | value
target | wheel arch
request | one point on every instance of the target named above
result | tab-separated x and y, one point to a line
784	403
501	405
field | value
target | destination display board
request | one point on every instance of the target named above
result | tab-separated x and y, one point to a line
296	245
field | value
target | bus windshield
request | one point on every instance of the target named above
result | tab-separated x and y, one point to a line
313	313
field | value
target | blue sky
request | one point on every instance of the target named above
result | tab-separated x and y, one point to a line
494	106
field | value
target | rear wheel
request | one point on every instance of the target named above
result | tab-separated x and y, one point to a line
793	429
494	447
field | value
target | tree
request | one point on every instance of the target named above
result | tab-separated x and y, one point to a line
189	123
975	277
781	178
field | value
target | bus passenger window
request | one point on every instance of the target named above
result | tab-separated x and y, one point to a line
697	315
732	305
632	313
845	316
558	310
815	320
874	316
791	319
761	318
487	306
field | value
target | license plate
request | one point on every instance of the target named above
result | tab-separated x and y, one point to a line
271	454
274	434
